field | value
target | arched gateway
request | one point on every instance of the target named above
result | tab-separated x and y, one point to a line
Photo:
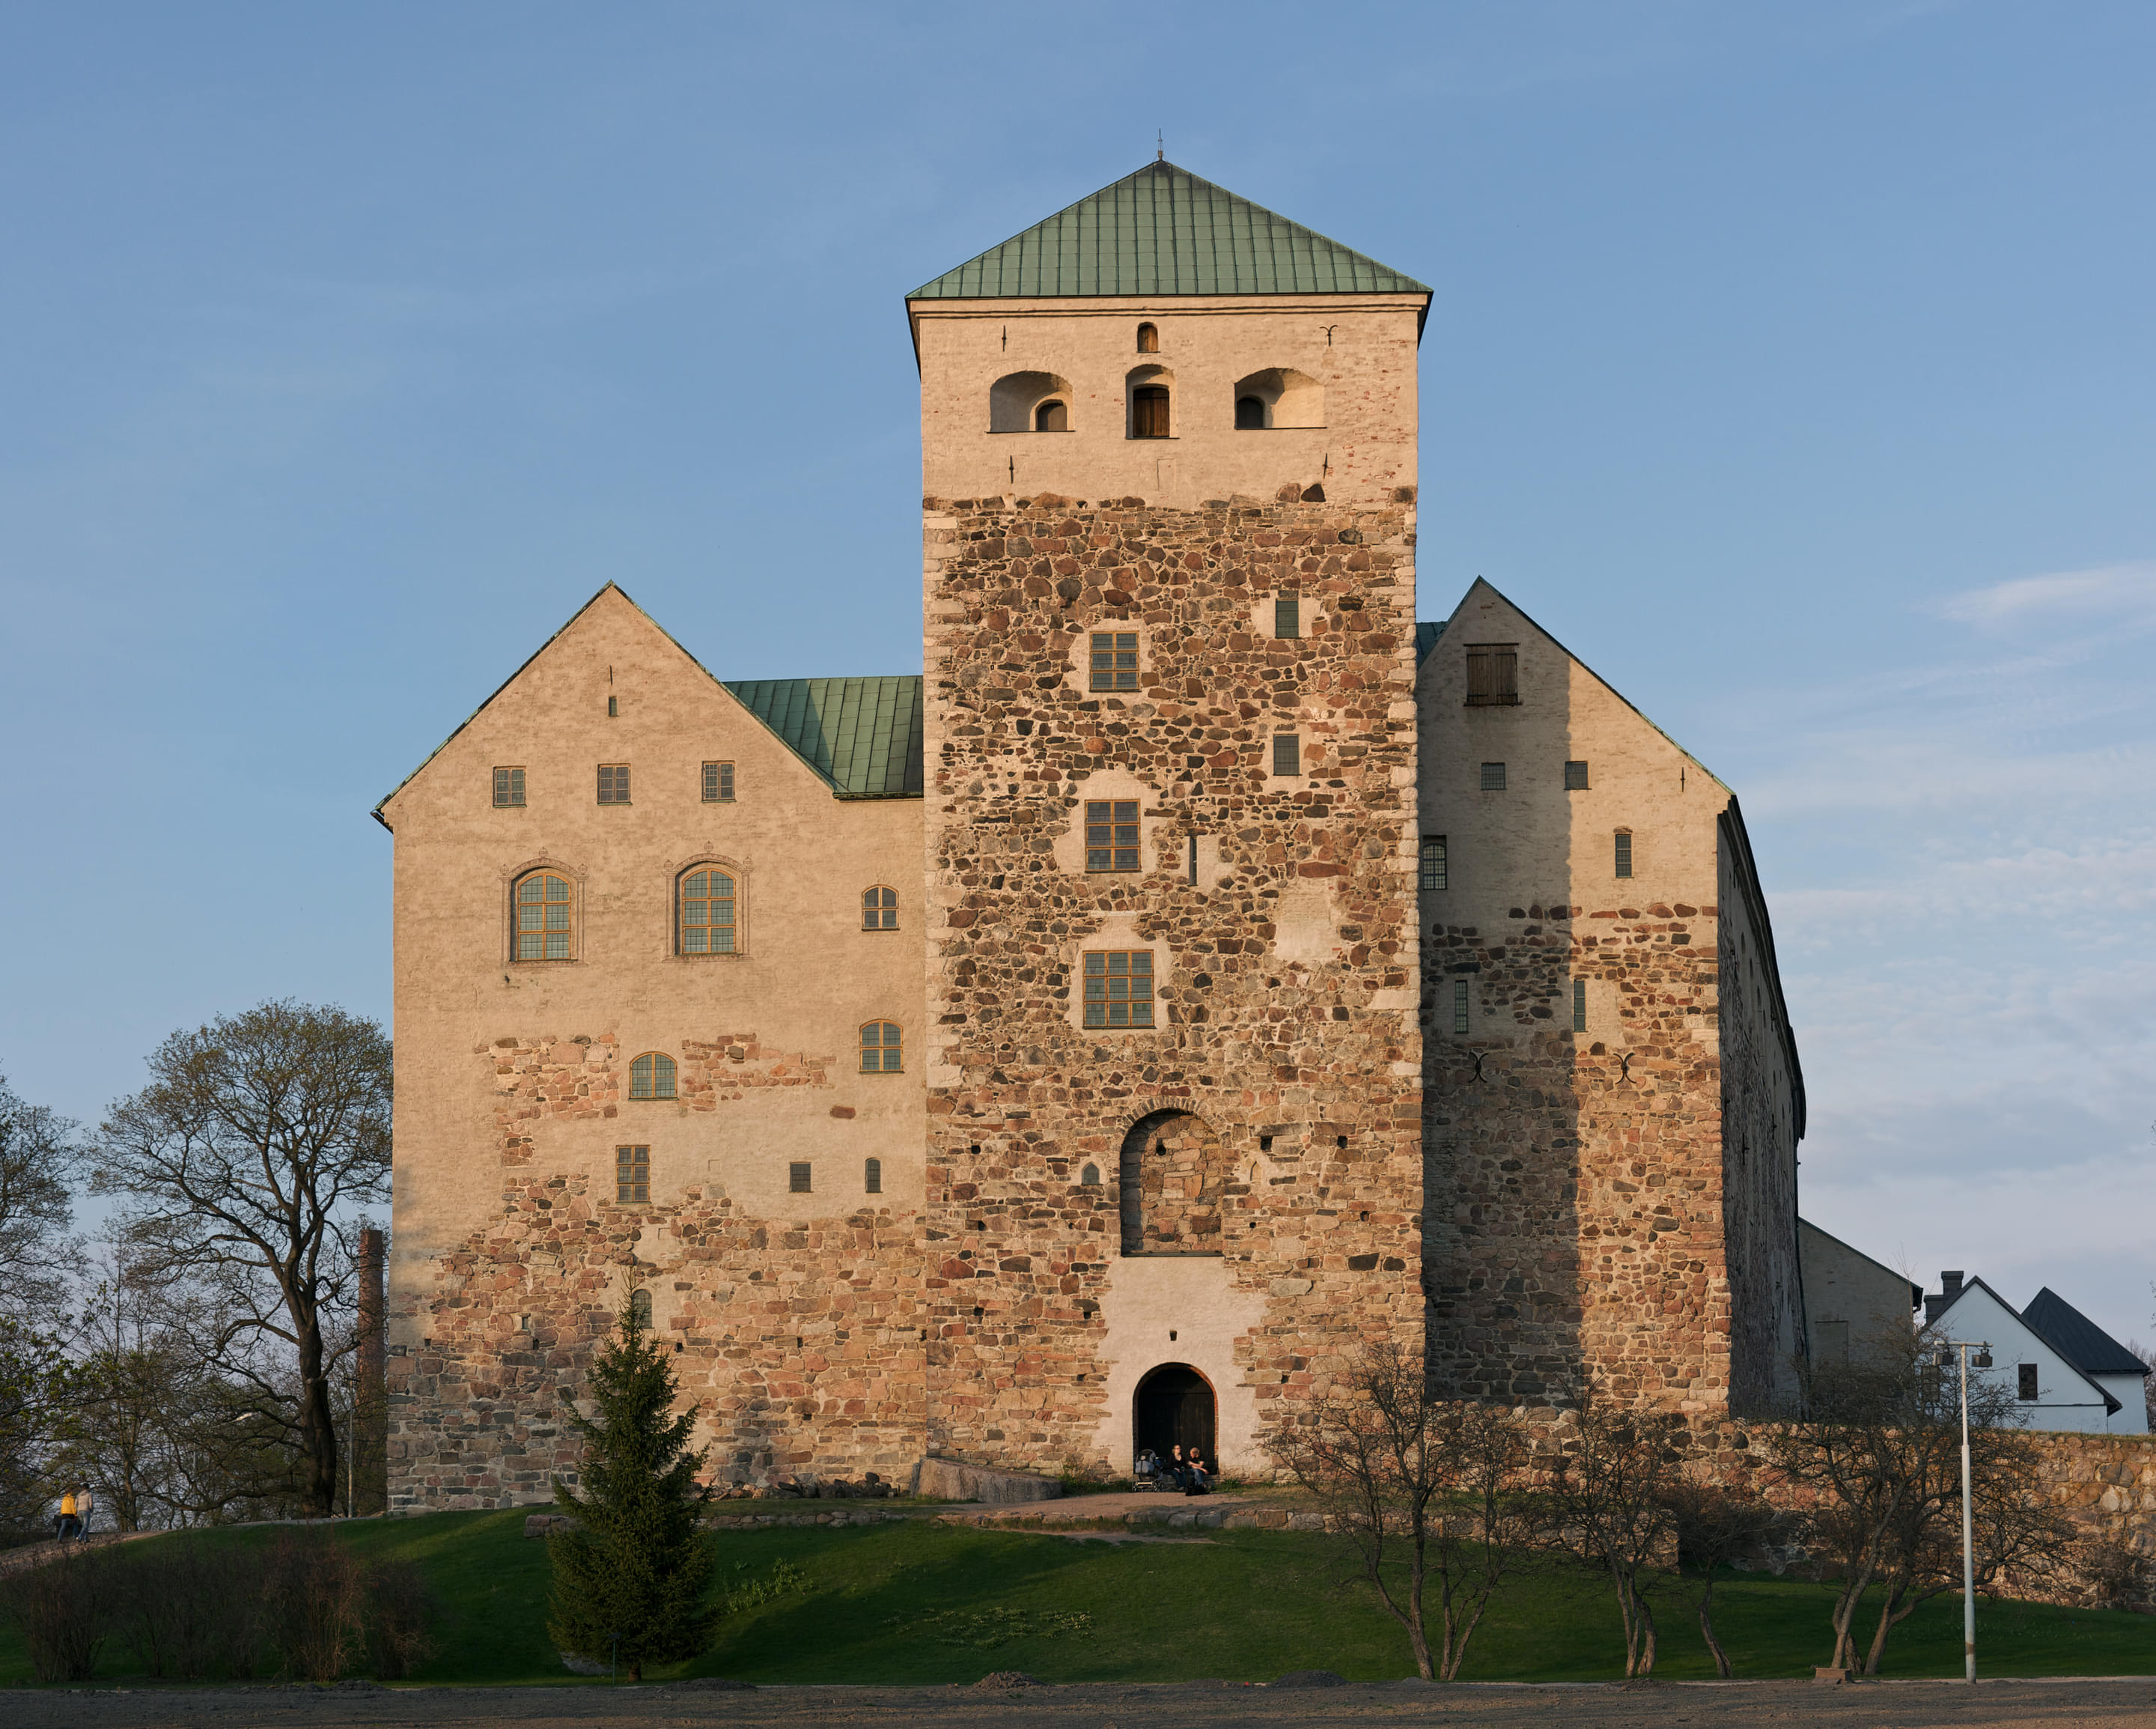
1174	1407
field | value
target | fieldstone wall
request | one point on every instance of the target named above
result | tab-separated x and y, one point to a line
1285	979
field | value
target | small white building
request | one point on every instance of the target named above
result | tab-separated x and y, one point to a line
2039	1364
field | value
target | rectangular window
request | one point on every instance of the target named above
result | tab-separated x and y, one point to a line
718	783
1287	754
1580	1005
872	1177
1114	660
614	783
1112	835
1575	777
632	1174
2026	1392
1459	1004
509	786
613	708
1287	615
1493	777
797	1179
1193	861
1623	852
1493	674
1436	870
1119	988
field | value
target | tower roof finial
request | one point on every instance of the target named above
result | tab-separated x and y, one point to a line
1159	146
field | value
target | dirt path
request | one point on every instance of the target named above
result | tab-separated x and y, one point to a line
1906	1705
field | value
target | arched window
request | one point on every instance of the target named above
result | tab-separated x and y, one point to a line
1149	411
879	908
707	912
881	1049
543	928
1090	1177
1149	340
1016	399
639	1307
1250	414
872	1177
1052	416
651	1075
1284	397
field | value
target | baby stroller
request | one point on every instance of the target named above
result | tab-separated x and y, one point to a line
1148	1473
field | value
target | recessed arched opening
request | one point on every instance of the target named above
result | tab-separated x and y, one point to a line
1284	398
1015	399
1148	339
1053	415
1146	391
1173	1407
1173	1180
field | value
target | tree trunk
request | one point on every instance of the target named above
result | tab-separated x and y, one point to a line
1645	1618
1707	1631
317	1425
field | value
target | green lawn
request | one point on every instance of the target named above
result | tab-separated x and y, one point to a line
917	1603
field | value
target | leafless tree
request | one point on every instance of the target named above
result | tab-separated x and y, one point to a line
1428	1492
244	1164
1610	1508
40	1161
1716	1526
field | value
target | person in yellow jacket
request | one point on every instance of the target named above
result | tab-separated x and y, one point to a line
64	1524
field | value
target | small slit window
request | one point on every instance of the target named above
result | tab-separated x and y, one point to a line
1250	414
2025	1383
1493	777
1459	1004
1052	416
614	783
881	1050
1493	674
1437	868
1115	658
872	1177
718	783
1112	835
708	907
1090	1177
1623	851
613	708
797	1178
632	1174
1148	339
639	1307
543	922
1287	616
1119	988
1575	777
1580	1005
879	908
651	1075
1149	411
1287	754
508	787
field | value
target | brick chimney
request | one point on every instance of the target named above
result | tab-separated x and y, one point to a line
1949	1289
370	1432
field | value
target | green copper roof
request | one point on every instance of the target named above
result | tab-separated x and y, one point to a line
1162	231
863	735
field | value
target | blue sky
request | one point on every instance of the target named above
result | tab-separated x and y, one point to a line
1793	364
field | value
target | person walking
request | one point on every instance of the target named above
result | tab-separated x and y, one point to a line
63	1520
83	1503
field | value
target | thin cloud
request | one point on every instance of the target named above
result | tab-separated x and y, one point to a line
2124	591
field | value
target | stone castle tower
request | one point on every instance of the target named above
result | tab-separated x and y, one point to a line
1168	462
1201	968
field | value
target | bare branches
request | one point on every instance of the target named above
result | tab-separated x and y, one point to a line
41	1157
1610	1502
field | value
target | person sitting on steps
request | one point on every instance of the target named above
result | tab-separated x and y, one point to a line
1195	1478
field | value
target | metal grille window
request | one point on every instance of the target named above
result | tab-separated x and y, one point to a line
1580	1005
1575	777
651	1075
708	913
509	786
872	1177
614	783
2025	1376
632	1174
1459	1004
1287	615
1119	988
1114	660
1287	754
879	909
639	1307
1624	851
881	1049
1112	835
1493	674
718	783
1493	777
542	916
797	1179
1436	870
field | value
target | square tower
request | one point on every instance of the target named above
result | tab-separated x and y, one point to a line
1174	1168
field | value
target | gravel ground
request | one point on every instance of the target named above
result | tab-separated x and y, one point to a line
1906	1705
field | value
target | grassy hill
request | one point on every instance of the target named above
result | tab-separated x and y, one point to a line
919	1603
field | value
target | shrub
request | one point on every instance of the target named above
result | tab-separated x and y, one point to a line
401	1612
192	1610
315	1594
65	1608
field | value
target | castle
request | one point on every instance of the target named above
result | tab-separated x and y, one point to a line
1201	968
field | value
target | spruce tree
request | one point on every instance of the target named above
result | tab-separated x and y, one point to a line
629	1578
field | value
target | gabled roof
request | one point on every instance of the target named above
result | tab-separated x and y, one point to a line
1162	231
1916	1290
2077	1339
1426	635
862	735
1937	1324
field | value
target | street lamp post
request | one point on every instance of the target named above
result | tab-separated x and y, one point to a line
1968	1513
